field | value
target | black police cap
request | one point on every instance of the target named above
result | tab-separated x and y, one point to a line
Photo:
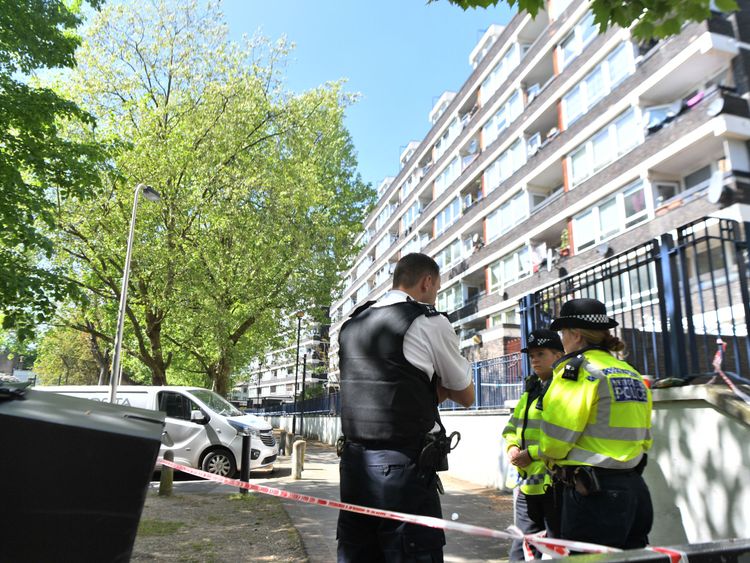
583	313
543	338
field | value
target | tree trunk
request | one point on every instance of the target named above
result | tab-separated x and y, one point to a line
156	362
219	374
101	355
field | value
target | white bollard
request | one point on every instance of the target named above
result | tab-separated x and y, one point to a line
298	458
297	438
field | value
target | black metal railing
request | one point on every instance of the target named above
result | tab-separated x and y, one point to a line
679	300
496	381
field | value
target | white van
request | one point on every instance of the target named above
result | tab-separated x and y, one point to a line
203	428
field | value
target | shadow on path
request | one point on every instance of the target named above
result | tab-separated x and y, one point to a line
317	524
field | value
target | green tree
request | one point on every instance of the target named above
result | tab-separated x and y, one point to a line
65	358
39	167
651	18
260	197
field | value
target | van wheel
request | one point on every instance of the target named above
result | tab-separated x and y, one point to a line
219	462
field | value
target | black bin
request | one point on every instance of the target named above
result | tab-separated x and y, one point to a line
73	477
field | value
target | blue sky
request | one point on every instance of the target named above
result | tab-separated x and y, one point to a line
401	55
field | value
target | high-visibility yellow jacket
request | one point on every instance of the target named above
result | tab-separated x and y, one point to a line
522	431
596	411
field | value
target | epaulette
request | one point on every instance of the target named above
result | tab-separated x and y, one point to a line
429	310
570	371
361	308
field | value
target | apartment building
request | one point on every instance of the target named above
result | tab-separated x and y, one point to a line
562	147
270	379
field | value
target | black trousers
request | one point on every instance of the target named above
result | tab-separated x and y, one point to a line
534	513
388	479
621	515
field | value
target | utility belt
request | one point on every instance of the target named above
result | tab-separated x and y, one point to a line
430	453
585	479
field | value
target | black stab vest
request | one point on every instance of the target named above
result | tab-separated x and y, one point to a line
384	398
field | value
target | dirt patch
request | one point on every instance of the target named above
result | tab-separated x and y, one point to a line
216	528
501	501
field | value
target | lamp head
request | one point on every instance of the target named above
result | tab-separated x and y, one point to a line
299	314
150	193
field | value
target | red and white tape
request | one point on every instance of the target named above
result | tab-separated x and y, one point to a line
555	547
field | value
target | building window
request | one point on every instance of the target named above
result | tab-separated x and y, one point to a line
446	177
510	269
365	240
447	138
362	292
506	115
448	216
450	299
383	216
507	317
413	245
557	7
502	70
410	216
363	266
449	256
610	217
612	141
383	275
664	190
408	186
598	83
347	306
383	245
507	216
504	166
574	43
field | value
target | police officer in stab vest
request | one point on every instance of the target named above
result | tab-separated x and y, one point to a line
534	505
595	431
398	359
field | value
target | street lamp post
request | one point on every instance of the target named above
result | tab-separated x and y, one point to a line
152	195
299	315
302	414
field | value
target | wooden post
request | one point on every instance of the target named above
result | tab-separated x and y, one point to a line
167	476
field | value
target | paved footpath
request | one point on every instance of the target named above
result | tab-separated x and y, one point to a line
317	524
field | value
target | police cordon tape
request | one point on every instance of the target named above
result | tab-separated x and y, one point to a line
553	547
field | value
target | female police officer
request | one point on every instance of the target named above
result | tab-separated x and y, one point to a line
596	427
534	505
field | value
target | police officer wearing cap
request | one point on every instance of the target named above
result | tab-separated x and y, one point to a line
534	505
399	359
595	430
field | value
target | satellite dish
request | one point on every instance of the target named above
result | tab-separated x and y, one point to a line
715	107
717	191
604	249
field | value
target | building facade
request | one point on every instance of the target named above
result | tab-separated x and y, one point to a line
562	147
270	379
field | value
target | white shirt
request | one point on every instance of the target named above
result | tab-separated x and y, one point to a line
431	345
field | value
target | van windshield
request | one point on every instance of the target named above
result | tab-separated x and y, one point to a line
215	402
